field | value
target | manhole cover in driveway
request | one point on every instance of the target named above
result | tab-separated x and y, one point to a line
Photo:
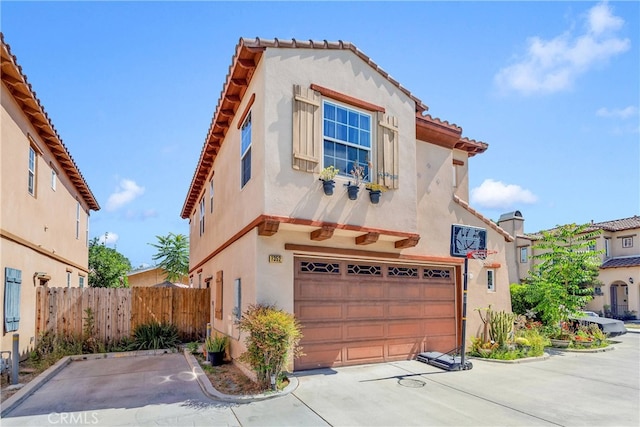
411	383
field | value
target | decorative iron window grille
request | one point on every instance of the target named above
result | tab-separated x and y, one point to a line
364	270
402	272
319	267
430	273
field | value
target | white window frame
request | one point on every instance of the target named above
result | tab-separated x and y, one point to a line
345	170
68	279
211	195
80	280
524	254
237	300
77	220
33	160
627	242
607	248
491	280
245	150
54	179
202	210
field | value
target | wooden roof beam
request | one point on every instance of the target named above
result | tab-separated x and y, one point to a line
323	233
367	239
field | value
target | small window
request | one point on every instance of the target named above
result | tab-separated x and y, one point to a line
237	300
245	152
54	179
491	283
68	279
32	172
607	248
211	195
81	281
78	220
524	255
202	216
627	242
347	138
591	247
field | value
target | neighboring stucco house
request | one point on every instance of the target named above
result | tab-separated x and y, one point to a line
368	282
44	210
149	276
619	242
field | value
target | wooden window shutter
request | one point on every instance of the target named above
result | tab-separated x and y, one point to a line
307	129
388	161
12	283
218	301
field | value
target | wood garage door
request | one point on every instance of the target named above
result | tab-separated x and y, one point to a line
355	312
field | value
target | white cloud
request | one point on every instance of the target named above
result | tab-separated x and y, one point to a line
498	195
126	191
108	238
619	113
553	65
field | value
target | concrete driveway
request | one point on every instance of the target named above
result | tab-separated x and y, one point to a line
581	389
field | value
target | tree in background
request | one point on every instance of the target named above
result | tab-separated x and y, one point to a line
561	282
108	268
173	253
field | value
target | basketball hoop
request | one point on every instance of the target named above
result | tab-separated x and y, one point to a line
485	255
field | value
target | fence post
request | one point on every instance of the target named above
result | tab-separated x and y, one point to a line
208	330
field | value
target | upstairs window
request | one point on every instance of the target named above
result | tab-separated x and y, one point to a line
54	179
32	172
77	220
607	248
211	195
627	242
245	152
524	255
347	138
202	216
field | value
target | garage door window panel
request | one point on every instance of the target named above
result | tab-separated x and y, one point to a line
408	272
320	267
364	270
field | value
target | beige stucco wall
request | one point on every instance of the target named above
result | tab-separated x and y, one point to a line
289	192
39	232
149	277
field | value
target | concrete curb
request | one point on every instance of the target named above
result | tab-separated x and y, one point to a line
33	385
583	350
544	357
209	390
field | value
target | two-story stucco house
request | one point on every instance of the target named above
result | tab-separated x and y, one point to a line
619	242
368	282
44	214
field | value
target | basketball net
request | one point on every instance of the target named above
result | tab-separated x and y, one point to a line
485	255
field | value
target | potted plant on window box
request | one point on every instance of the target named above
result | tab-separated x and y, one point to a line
358	176
216	346
326	176
374	192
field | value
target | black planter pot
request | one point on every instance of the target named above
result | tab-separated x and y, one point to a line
216	358
352	191
327	186
374	196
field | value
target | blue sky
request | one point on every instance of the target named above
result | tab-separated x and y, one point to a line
552	87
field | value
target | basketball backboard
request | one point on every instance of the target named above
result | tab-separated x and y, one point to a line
465	238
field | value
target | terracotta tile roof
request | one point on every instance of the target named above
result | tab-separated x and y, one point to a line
243	64
619	224
628	261
508	237
16	81
613	225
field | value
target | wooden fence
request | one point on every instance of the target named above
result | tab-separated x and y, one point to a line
117	312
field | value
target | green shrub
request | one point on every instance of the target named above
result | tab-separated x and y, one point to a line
51	347
273	335
154	336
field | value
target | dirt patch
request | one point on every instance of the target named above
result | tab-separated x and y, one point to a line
229	379
27	372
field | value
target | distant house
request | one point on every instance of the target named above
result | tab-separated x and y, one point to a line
149	276
45	207
368	282
619	271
